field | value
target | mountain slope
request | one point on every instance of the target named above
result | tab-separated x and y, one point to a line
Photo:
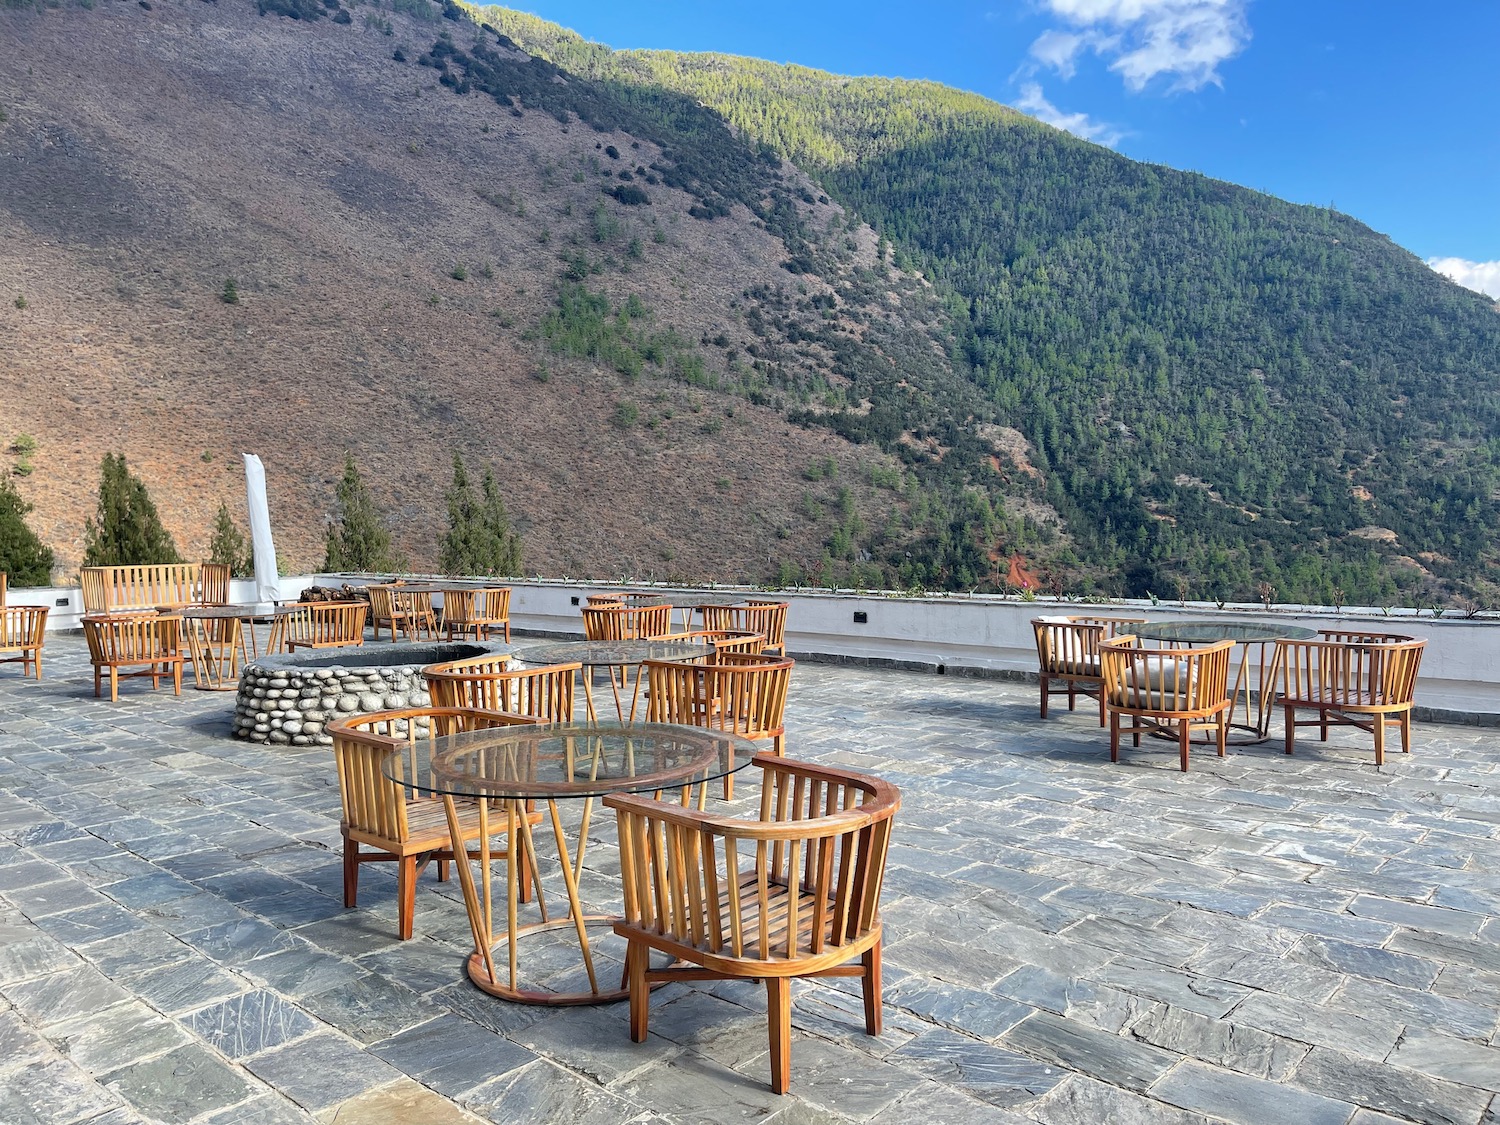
1221	389
418	273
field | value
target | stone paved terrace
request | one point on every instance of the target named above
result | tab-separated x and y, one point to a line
1306	940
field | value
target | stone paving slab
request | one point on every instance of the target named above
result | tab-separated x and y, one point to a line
1070	942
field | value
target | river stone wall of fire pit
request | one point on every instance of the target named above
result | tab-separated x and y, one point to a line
290	699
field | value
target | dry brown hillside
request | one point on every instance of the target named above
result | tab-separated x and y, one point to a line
150	152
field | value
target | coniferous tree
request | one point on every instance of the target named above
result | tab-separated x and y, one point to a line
359	541
227	545
126	530
459	552
24	558
502	542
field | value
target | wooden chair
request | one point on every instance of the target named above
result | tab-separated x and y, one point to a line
766	618
795	893
604	599
401	825
1176	691
1067	649
117	589
487	683
421	617
1364	680
23	630
620	622
477	611
149	642
741	693
213	583
383	611
321	625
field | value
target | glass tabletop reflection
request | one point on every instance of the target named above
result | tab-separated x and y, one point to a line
1207	632
567	761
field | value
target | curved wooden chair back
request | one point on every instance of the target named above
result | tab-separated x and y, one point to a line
605	599
401	824
383	611
477	611
1177	690
1364	680
488	683
723	641
323	625
149	642
1067	649
748	699
794	893
23	630
621	622
766	618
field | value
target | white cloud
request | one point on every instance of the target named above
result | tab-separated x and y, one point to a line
1034	102
1144	39
1482	277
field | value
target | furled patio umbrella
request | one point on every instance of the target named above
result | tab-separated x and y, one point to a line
267	581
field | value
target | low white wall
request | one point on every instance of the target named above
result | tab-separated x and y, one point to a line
983	634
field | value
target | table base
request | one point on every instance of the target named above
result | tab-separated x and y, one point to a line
479	973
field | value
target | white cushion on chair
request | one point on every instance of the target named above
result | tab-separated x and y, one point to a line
1158	684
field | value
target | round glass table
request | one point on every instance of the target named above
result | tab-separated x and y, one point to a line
1262	665
612	655
504	772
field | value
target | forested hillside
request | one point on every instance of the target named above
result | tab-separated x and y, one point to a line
1220	389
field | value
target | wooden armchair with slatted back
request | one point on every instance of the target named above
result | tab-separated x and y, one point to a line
476	611
766	618
1358	679
795	893
741	693
490	683
320	625
151	643
620	622
383	611
1173	691
23	631
1067	649
402	825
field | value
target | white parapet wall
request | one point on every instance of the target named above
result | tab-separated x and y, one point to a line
967	635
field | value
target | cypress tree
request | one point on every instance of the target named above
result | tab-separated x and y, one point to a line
126	530
502	544
23	557
228	545
359	541
459	552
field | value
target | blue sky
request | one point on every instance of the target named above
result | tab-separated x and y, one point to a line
1387	109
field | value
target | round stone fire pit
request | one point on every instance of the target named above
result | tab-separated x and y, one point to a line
290	699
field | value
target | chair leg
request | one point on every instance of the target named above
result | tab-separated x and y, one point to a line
1290	715
870	985
1223	732
442	871
1072	695
1183	735
406	895
114	684
636	959
1405	721
1379	740
1101	705
1043	681
351	872
98	682
1114	736
779	1017
177	678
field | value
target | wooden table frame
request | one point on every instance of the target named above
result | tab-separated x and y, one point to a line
508	815
216	664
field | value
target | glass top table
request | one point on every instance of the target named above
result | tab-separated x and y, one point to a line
502	773
613	655
1207	632
1255	704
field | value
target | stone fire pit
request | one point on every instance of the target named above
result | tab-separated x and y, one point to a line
290	699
